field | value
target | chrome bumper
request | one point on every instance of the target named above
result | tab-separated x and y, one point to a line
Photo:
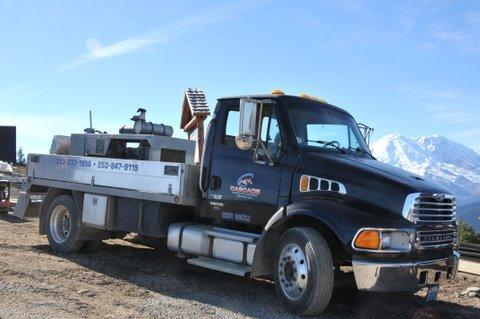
396	277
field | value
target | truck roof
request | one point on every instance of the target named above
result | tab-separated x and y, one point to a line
282	96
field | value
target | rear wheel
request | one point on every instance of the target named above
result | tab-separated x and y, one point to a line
63	228
304	271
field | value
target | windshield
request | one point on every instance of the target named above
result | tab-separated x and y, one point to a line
324	127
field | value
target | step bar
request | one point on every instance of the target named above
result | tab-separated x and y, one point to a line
234	235
220	265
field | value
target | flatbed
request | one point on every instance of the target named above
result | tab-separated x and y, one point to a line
166	182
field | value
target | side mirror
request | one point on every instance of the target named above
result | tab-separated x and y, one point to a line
248	124
366	132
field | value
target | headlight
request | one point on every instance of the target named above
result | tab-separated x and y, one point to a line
382	240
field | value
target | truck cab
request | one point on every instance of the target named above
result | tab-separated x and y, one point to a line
277	162
282	187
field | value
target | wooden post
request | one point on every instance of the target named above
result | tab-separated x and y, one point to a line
195	111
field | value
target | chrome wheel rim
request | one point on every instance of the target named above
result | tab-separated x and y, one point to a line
60	224
293	271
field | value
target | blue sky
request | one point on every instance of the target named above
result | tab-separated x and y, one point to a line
409	67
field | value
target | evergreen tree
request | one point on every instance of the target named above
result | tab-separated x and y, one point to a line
20	157
467	234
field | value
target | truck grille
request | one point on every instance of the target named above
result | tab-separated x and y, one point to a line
436	238
434	208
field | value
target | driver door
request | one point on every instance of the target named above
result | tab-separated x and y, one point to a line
242	190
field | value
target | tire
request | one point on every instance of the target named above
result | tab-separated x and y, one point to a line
63	225
304	271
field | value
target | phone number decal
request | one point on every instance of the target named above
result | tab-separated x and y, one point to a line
118	166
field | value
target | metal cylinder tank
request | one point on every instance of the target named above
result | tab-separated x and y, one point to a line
194	239
142	127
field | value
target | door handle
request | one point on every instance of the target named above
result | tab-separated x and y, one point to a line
216	182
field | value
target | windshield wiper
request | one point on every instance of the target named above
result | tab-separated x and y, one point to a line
329	143
361	151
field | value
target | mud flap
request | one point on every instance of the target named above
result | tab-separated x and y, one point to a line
25	207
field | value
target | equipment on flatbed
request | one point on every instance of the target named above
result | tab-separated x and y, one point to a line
141	126
283	187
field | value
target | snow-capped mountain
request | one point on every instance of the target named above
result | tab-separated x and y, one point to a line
450	164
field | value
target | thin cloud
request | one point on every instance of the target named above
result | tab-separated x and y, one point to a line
449	106
453	117
463	34
97	52
475	132
15	93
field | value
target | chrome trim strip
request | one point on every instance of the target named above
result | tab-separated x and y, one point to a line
438	230
436	195
403	264
275	217
435	215
434	204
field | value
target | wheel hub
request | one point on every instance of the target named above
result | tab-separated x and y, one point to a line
293	271
60	224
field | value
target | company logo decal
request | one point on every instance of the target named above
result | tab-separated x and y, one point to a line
245	180
243	188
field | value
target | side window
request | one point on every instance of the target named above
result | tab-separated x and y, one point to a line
270	133
231	127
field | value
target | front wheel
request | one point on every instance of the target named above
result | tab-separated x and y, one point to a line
304	271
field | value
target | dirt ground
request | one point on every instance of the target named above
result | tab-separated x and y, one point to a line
123	279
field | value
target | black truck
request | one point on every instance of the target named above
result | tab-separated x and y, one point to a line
281	187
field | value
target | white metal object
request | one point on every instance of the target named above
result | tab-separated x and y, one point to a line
250	253
188	238
159	181
293	271
95	210
231	234
226	244
219	265
229	250
60	224
248	119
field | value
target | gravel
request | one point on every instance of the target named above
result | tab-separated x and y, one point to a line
126	279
